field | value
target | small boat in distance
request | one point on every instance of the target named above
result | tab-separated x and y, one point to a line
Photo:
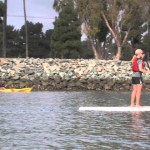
16	90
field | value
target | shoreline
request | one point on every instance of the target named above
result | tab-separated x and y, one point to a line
68	74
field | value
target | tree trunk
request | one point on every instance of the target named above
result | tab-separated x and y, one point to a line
96	55
4	30
26	29
118	55
116	38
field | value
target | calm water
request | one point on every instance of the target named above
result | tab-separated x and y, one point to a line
51	121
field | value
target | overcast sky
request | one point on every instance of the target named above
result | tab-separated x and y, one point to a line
34	8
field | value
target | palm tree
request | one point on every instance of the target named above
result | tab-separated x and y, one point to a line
26	29
4	29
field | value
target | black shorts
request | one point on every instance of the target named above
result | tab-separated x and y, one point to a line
137	80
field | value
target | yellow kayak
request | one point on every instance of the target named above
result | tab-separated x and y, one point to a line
17	90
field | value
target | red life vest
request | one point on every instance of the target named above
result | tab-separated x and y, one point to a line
135	67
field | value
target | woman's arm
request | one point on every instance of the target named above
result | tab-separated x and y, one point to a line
143	70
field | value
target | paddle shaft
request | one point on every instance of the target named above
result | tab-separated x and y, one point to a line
147	65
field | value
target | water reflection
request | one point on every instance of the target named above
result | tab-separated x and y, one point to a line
136	122
139	131
51	120
136	125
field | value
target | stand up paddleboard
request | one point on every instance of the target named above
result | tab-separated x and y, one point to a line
120	109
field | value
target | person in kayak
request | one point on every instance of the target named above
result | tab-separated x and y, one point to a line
2	85
138	68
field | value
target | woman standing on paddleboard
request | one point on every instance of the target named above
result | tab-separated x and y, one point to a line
138	69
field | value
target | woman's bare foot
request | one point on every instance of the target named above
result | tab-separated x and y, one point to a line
132	105
138	106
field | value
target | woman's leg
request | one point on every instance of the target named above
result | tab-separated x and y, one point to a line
133	95
138	94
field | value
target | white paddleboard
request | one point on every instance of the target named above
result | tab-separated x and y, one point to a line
142	108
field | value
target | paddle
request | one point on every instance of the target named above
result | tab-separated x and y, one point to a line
145	60
147	65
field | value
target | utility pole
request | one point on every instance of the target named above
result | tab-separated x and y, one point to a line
26	29
4	30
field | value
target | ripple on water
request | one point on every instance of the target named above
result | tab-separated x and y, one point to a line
51	120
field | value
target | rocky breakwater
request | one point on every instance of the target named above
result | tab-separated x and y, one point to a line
67	74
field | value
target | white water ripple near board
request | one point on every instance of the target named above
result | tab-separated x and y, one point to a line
117	109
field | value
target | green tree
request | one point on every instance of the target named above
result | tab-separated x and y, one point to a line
4	29
120	17
87	52
34	36
13	44
39	43
47	42
93	26
66	39
2	10
146	45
